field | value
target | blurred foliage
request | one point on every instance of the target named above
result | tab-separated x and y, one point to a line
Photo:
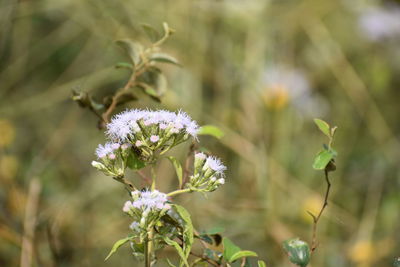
258	69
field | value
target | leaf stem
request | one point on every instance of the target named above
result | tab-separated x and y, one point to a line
180	191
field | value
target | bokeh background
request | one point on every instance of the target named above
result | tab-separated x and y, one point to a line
260	70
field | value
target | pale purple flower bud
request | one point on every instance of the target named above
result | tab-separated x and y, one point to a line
154	138
138	143
127	206
115	146
125	146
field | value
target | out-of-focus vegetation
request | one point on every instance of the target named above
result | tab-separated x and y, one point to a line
260	70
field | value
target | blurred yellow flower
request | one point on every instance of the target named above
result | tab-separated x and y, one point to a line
366	252
8	167
7	133
362	252
276	97
311	204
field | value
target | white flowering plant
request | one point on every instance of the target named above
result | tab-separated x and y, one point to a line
139	139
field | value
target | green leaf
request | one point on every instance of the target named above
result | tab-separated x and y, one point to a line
261	264
178	169
150	91
124	65
153	83
323	126
117	245
214	230
242	254
188	237
298	251
134	163
177	248
230	249
164	58
133	49
211	130
322	159
151	33
84	100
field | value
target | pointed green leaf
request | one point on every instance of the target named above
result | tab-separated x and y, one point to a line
187	229
133	49
151	33
261	264
178	169
117	245
150	91
214	230
211	130
164	58
230	249
124	65
322	159
242	254
177	248
134	163
323	126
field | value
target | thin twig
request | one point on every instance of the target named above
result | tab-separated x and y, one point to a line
128	185
187	163
131	83
316	218
30	222
144	177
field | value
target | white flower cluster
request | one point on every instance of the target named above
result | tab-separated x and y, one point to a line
110	150
147	127
146	131
146	208
112	158
208	173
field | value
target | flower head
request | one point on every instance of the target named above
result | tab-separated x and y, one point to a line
126	125
215	164
147	207
208	173
104	150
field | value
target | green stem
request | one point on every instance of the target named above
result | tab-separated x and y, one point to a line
180	191
150	246
146	253
153	177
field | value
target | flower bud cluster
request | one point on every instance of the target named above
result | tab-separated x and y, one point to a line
146	209
150	131
208	173
112	158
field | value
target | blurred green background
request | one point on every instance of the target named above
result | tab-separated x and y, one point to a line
260	70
